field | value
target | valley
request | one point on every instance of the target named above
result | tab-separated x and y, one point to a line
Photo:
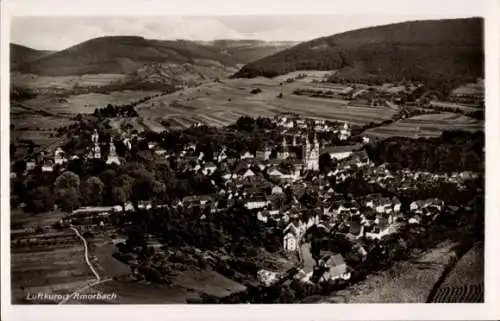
345	169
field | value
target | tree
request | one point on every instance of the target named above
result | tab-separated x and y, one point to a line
91	191
67	180
119	195
325	162
19	167
40	199
68	200
66	189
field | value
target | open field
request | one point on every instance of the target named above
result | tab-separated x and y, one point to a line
429	125
447	105
32	81
57	265
85	103
405	282
221	103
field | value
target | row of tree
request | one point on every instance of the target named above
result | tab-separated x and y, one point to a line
451	152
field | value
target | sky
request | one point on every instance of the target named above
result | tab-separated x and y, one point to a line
60	32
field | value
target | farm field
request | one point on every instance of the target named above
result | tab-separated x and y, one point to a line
405	282
428	125
32	81
52	267
54	263
85	103
465	283
221	103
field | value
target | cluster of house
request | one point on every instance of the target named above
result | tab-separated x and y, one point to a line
294	122
60	158
407	179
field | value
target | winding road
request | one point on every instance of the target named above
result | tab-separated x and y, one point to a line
98	280
97	276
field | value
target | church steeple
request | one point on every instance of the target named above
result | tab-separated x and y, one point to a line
96	150
112	157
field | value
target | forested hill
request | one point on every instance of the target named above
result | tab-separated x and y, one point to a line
122	54
420	50
21	54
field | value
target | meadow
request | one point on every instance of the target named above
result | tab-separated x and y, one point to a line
222	103
32	81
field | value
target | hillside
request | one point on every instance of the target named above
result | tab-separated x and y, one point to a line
432	51
21	54
119	55
246	51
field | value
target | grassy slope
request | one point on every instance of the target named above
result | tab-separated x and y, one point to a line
421	49
413	280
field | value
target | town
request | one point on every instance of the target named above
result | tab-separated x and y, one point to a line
308	184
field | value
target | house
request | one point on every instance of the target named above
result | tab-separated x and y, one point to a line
396	204
59	157
47	167
257	202
415	220
434	203
275	173
222	156
263	216
335	266
356	229
248	173
380	229
292	234
30	165
267	278
160	152
246	155
151	145
277	190
264	154
209	169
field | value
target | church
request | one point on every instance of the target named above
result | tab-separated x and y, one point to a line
95	151
112	156
310	154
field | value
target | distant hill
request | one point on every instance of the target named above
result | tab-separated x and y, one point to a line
21	54
246	51
434	51
122	54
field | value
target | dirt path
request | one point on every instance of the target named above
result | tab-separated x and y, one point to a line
97	276
87	260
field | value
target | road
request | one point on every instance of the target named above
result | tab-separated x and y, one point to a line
87	260
97	276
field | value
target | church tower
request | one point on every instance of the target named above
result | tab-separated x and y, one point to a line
96	150
112	156
311	154
283	153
